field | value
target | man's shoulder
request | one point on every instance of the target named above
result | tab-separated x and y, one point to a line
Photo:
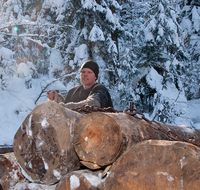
98	87
75	89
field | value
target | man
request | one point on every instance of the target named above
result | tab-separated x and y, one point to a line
90	92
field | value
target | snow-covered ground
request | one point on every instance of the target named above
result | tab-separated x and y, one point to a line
194	112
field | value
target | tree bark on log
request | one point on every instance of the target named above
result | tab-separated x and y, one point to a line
155	165
100	138
43	144
10	172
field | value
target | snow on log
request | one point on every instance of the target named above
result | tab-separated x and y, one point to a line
10	173
81	180
33	186
156	164
43	144
100	138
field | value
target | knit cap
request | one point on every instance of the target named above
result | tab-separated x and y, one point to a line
91	65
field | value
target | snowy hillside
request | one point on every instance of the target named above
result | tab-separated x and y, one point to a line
148	53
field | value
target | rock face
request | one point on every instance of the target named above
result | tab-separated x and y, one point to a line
81	180
155	165
10	173
43	144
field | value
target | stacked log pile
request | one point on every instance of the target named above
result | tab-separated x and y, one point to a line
64	149
100	138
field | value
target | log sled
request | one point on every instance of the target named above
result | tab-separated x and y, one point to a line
54	143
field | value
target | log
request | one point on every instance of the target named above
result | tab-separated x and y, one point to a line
81	180
10	173
155	165
100	138
43	144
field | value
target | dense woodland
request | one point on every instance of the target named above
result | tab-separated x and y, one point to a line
148	50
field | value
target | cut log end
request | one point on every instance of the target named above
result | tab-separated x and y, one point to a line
43	144
97	139
35	149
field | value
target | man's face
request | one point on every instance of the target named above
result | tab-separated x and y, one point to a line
88	77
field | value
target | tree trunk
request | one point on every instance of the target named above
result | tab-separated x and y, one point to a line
155	165
100	138
43	144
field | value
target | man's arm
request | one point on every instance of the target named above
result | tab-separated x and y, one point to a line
102	95
90	101
54	96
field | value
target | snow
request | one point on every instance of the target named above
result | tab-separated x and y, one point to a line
183	162
195	19
17	102
45	164
186	24
6	53
94	180
148	34
96	34
23	70
169	177
44	123
81	54
154	79
74	182
28	127
25	174
33	186
57	3
57	174
193	112
55	62
112	47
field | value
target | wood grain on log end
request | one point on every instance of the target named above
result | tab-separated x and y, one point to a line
97	140
43	144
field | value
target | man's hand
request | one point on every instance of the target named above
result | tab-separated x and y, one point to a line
53	96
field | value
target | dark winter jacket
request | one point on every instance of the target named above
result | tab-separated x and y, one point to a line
97	91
